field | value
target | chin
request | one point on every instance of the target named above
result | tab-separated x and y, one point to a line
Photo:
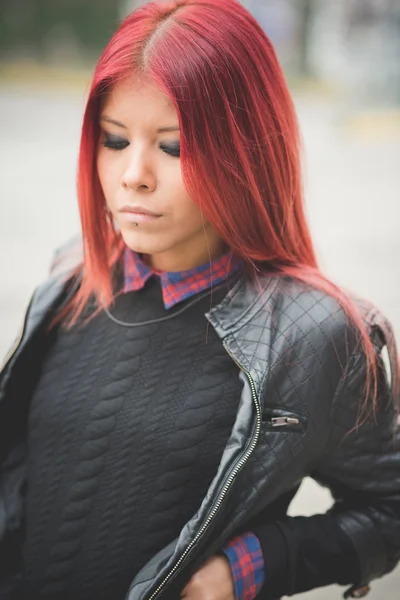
142	243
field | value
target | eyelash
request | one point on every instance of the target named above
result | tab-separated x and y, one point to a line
116	145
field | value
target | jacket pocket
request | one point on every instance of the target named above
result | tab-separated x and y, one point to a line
282	420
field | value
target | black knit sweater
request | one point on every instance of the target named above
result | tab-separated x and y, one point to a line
125	433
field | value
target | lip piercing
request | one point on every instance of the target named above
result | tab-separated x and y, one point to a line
136	224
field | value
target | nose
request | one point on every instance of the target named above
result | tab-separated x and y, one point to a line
139	174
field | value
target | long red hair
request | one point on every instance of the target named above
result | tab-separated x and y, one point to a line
240	141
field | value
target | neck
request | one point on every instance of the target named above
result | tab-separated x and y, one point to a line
181	260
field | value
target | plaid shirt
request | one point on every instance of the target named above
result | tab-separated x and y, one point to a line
244	552
247	563
178	286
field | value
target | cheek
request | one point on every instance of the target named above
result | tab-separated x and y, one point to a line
107	170
183	207
109	183
187	213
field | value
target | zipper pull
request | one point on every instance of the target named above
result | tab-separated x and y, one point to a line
282	421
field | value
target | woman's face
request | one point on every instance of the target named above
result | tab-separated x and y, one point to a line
140	173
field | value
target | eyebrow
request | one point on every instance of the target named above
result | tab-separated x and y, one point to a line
118	124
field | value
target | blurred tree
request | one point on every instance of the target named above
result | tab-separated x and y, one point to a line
305	10
41	25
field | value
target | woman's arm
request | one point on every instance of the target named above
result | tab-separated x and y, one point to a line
359	538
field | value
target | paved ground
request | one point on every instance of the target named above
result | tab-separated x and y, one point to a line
353	185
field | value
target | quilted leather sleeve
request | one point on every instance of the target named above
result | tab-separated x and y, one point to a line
358	540
362	464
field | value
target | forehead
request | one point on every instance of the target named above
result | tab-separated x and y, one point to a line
139	98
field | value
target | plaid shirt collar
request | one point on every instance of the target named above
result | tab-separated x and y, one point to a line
178	286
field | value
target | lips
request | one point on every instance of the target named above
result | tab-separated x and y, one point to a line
138	214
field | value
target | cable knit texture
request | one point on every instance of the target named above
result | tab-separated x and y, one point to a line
126	430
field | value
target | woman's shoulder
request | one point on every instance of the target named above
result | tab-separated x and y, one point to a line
306	305
284	321
310	316
287	303
282	313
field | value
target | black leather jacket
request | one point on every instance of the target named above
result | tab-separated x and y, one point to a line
303	377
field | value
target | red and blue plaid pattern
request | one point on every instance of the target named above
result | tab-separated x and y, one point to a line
247	563
178	286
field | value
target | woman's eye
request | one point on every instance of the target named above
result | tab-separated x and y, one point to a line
171	149
114	142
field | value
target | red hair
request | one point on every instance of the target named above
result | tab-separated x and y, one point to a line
240	141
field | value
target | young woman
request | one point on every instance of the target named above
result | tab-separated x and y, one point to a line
186	365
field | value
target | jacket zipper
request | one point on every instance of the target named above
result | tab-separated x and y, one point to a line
283	421
236	469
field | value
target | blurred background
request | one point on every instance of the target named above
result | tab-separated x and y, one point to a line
342	62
